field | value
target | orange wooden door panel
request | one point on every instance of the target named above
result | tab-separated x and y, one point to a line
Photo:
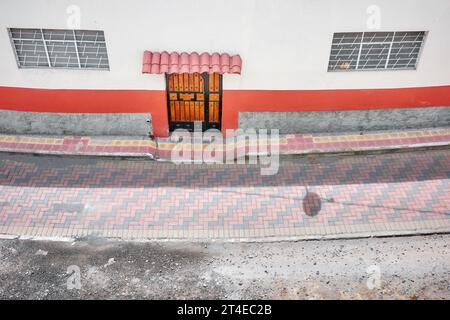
188	97
214	97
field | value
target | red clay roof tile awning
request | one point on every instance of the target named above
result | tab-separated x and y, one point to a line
163	62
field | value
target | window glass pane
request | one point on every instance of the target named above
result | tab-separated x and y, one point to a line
409	36
31	53
62	54
378	36
93	54
58	34
26	33
375	50
373	56
344	51
347	38
404	55
343	57
86	35
56	48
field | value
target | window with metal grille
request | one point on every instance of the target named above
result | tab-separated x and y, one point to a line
375	50
52	48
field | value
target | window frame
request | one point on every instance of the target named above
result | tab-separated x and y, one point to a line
416	66
49	65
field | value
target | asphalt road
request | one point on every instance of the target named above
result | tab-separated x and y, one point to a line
375	268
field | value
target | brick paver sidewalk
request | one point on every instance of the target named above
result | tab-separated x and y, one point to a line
288	144
399	193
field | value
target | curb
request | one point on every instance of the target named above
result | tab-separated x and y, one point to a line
149	156
269	239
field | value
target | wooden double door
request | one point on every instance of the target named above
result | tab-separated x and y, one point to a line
194	97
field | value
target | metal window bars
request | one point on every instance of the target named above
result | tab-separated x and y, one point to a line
55	48
375	50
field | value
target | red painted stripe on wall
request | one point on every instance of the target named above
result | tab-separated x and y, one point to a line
89	101
234	101
80	100
342	99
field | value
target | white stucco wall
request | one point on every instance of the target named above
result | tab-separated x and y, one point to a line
284	44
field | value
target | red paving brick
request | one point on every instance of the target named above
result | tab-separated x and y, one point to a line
402	192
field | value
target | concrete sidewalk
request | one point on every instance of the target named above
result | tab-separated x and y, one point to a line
161	149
